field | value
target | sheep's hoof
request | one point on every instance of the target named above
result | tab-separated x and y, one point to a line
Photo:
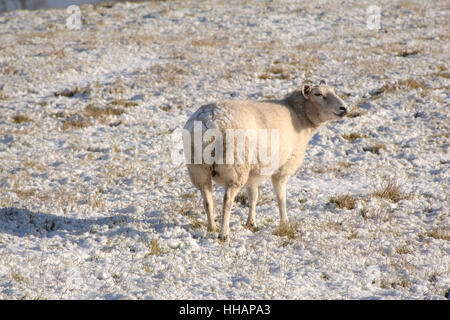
224	238
251	226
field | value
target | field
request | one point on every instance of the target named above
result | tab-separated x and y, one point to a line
93	207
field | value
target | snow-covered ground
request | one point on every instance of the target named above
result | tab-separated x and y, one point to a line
91	205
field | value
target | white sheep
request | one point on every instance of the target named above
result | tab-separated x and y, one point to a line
283	128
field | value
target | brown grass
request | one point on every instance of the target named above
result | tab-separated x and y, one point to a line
169	73
4	96
345	201
352	136
197	224
26	193
20	118
155	249
375	148
16	276
75	123
353	235
97	112
439	233
71	92
190	195
411	84
242	199
403	250
290	231
124	103
404	283
355	114
391	191
408	84
407	53
275	72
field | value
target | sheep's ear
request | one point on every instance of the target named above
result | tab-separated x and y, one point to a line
322	82
306	90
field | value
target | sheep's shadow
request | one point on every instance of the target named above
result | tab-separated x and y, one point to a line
22	222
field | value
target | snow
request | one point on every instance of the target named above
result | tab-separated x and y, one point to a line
101	211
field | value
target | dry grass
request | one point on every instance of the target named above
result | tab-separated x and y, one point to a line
4	96
197	224
441	72
75	123
97	112
25	193
403	250
154	248
72	92
124	103
410	84
375	148
20	118
345	201
190	195
275	72
290	231
241	198
353	235
355	114
352	136
407	84
407	53
16	276
209	42
172	74
390	191
404	283
439	233
78	121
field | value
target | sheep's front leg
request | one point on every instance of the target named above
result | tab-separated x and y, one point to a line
279	185
230	194
252	192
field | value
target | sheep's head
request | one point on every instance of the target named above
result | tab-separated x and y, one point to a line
325	104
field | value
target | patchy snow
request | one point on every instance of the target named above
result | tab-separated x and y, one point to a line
92	207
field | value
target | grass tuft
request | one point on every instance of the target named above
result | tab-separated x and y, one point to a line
124	103
352	136
439	233
76	122
290	231
97	112
20	118
375	148
155	249
71	92
391	191
345	201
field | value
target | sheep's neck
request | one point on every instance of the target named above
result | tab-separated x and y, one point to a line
314	122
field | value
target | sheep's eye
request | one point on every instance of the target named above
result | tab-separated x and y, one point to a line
320	95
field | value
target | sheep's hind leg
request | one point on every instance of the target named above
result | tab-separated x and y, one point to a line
230	193
252	192
209	207
201	178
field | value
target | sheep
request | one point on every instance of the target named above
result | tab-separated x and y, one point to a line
211	148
